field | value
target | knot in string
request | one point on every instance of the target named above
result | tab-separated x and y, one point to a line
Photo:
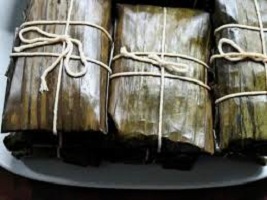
51	39
239	55
170	66
156	60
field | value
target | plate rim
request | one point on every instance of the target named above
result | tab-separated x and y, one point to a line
27	172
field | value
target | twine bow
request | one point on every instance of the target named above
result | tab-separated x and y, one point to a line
156	60
239	55
50	39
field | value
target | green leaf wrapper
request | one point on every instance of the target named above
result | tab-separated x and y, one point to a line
134	101
241	122
82	102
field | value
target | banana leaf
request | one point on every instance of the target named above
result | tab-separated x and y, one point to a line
82	101
241	123
134	100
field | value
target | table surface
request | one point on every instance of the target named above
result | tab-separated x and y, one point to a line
13	187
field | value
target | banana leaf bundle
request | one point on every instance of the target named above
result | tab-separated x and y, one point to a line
30	106
82	100
134	102
241	123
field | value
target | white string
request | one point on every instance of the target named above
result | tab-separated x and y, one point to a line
241	94
241	54
154	74
241	26
52	22
55	111
162	82
73	57
156	60
165	55
178	67
55	117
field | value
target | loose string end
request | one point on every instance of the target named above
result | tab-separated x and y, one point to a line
17	49
43	87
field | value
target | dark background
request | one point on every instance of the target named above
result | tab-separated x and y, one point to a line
13	187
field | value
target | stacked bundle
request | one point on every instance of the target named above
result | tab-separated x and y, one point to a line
58	76
159	97
241	81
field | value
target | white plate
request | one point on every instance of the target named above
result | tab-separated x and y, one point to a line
207	173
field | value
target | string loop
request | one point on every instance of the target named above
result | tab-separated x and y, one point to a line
51	39
239	55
